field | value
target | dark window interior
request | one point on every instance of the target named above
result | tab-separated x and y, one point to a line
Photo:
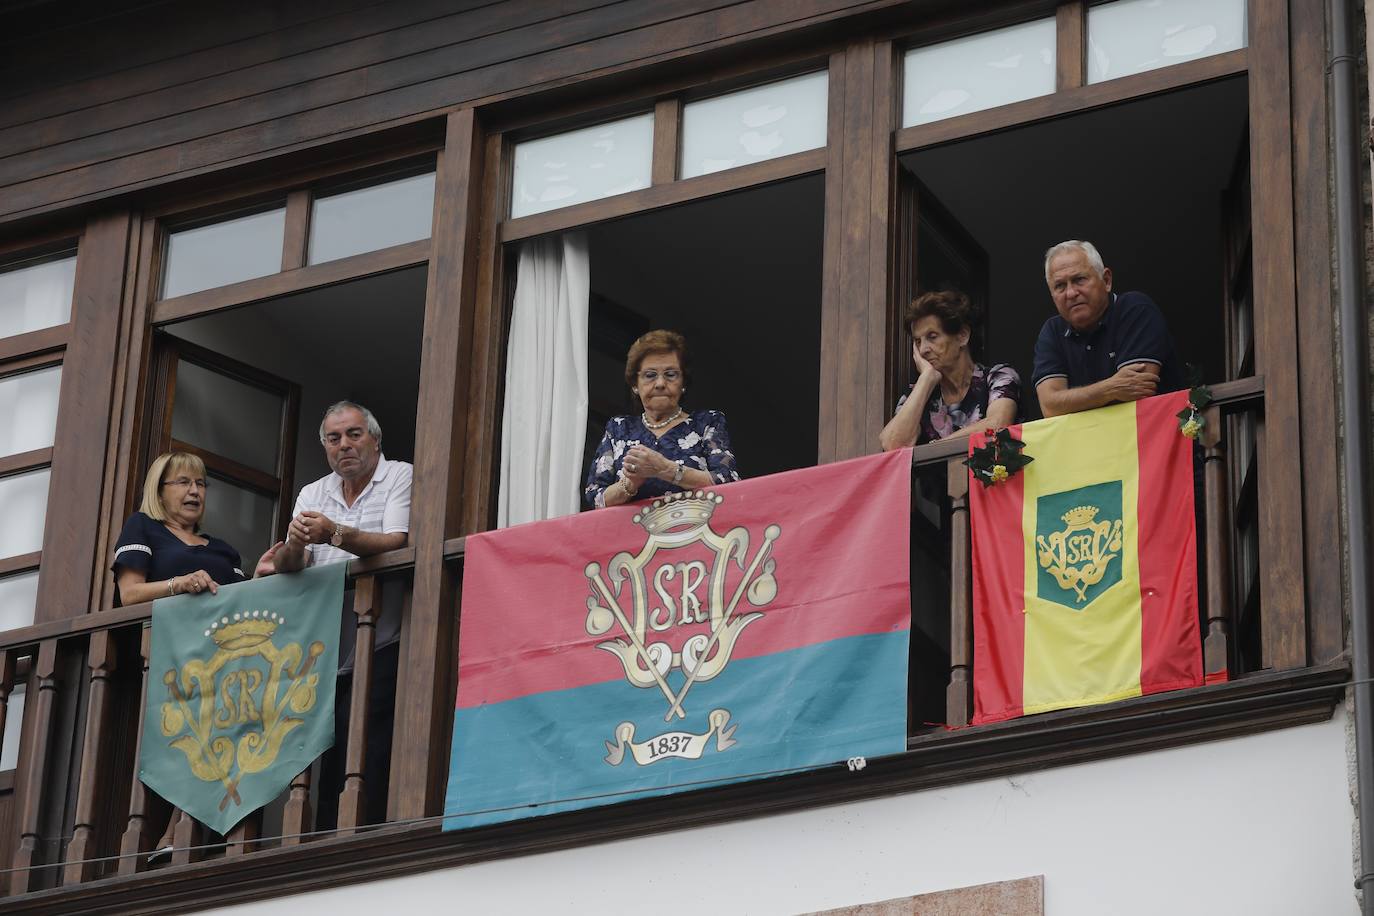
358	340
740	277
1143	181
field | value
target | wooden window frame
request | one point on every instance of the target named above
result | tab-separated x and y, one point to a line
32	350
859	309
459	407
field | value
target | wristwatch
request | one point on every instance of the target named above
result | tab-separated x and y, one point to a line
677	475
337	539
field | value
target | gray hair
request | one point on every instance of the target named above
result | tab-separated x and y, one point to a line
373	426
1094	259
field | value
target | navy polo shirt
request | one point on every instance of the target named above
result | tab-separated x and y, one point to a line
1132	330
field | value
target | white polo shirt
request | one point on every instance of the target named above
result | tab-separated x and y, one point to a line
383	506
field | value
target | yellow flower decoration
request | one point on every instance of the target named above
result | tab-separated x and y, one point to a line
1191	429
999	473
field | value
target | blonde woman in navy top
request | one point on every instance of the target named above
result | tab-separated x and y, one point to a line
162	551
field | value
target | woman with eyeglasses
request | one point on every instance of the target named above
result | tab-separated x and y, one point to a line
161	551
663	448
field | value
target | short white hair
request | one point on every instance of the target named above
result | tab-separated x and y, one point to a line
373	426
1094	259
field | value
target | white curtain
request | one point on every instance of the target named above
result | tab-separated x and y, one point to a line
544	425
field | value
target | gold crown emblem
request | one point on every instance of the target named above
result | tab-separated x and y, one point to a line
689	509
245	630
1079	516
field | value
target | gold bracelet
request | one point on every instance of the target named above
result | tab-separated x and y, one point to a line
170	589
625	485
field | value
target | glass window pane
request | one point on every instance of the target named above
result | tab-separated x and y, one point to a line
28	410
14	721
581	165
754	124
224	252
371	218
25	498
241	516
977	72
36	295
18	598
1132	36
223	415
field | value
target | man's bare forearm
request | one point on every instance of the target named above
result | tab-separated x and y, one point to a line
370	543
1072	400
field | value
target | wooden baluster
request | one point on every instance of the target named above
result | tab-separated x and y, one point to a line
244	833
352	801
295	818
188	833
959	696
34	765
134	843
100	658
1216	648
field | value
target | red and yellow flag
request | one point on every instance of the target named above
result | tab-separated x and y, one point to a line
1084	564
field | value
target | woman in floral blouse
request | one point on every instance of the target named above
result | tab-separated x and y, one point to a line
664	448
953	395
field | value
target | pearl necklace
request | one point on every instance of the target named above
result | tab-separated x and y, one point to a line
662	423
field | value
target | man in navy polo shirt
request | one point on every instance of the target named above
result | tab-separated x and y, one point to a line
1102	348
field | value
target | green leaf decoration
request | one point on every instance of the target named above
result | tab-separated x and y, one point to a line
998	459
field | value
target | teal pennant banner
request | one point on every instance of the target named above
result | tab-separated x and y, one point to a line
241	692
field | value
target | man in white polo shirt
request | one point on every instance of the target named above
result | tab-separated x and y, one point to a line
361	509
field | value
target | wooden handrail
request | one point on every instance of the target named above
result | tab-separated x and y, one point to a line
391	561
1229	396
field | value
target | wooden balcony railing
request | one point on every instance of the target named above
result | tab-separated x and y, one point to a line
88	679
80	814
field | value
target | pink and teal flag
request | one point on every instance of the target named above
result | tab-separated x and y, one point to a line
710	637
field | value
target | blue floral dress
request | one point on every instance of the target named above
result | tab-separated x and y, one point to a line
701	443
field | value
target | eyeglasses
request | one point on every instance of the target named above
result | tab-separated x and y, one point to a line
185	482
669	375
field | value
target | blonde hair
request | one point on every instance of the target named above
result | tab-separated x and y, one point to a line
152	484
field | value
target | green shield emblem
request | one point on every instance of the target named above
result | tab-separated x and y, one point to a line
240	692
1078	539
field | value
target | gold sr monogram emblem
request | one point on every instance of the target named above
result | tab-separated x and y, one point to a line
1079	555
205	698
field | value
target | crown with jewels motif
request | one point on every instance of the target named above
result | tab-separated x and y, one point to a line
689	509
245	630
1079	516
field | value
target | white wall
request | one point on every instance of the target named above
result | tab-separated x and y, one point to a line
1253	825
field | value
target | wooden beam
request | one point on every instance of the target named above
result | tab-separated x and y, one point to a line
316	276
83	418
667	130
859	204
1071	53
1073	101
1321	507
296	236
424	707
25	461
664	195
1283	598
33	344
